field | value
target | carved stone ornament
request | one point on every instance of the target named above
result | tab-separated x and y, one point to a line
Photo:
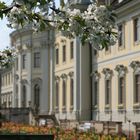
16	76
63	76
63	41
121	69
37	81
108	73
135	65
57	78
28	45
24	81
71	74
96	75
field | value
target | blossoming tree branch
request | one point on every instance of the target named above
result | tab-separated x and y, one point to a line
95	25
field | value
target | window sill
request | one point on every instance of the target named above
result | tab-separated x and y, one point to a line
107	106
120	106
136	105
95	107
71	108
120	48
136	43
108	52
64	109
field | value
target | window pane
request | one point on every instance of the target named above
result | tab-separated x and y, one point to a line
57	56
120	35
24	61
71	50
108	90
24	97
57	94
36	96
64	53
72	91
121	90
136	29
95	92
37	59
64	93
137	88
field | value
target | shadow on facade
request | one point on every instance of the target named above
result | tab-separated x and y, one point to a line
17	115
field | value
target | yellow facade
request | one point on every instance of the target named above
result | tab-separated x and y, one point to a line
122	57
64	70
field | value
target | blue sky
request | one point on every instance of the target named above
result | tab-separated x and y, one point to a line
5	31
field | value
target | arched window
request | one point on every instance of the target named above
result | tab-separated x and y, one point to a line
37	95
24	96
64	93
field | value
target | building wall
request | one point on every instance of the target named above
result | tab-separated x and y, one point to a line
27	43
7	88
118	56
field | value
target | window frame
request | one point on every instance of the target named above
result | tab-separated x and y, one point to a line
24	57
37	59
57	56
72	50
64	53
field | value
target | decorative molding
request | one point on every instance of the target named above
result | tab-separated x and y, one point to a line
71	74
121	69
36	81
16	76
63	41
63	76
135	65
108	73
24	81
57	78
96	75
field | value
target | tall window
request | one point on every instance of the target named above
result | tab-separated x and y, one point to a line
64	53
37	59
121	90
71	50
57	94
37	95
136	24
95	92
71	92
64	93
16	63
120	41
24	61
137	88
24	94
57	56
16	99
107	91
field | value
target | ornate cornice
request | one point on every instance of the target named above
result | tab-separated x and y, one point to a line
63	76
63	41
24	81
108	73
16	76
71	74
135	65
121	69
37	80
57	78
96	75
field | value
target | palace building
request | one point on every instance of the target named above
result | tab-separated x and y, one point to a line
55	75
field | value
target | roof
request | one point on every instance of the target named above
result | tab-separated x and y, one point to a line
117	5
